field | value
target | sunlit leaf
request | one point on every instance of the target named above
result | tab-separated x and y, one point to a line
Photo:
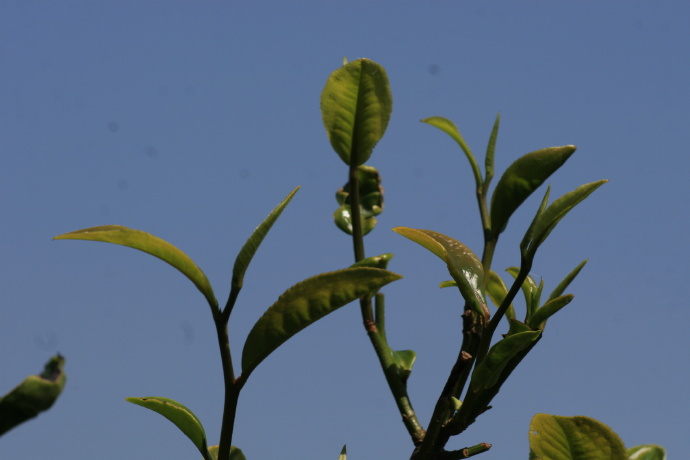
464	266
553	437
489	370
178	414
35	394
404	359
553	214
563	285
356	105
522	178
370	201
149	244
250	247
647	452
448	127
538	319
306	302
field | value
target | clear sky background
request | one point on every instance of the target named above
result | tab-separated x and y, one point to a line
192	120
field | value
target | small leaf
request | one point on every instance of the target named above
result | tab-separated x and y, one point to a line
448	127
489	370
182	417
498	291
538	319
343	453
530	290
374	262
37	393
149	244
370	201
404	359
522	178
490	152
235	453
563	285
306	302
463	265
553	214
356	105
252	245
647	452
449	283
553	437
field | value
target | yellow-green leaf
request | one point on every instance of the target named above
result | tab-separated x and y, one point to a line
149	244
448	127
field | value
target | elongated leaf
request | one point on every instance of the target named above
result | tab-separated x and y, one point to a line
35	394
448	127
553	437
530	289
538	319
563	285
375	261
498	291
489	370
182	417
356	105
149	244
235	453
404	359
553	214
463	265
647	452
343	453
252	245
306	302
522	178
490	153
370	201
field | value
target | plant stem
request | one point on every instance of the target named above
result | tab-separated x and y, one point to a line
232	388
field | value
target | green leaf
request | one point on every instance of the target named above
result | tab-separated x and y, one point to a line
252	245
35	394
489	370
375	261
522	178
343	453
497	291
463	265
530	289
182	417
490	152
356	104
563	285
149	244
306	302
538	319
404	360
448	127
553	214
647	452
235	453
370	201
553	437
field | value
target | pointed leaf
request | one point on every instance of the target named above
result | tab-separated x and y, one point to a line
490	152
448	127
522	178
498	291
356	105
647	452
235	453
563	285
463	265
35	394
553	214
404	359
306	302
554	437
529	289
538	319
370	201
375	261
252	245
489	370
181	416
149	244
527	238
343	453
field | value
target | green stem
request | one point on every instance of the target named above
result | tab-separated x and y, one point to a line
232	388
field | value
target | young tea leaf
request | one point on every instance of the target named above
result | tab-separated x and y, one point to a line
375	261
149	244
553	437
522	178
356	104
235	453
35	394
306	302
538	319
370	201
497	291
182	417
343	453
463	265
489	370
647	452
563	285
404	359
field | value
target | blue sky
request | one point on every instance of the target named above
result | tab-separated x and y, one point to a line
191	120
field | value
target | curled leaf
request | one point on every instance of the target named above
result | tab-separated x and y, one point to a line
370	201
380	261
